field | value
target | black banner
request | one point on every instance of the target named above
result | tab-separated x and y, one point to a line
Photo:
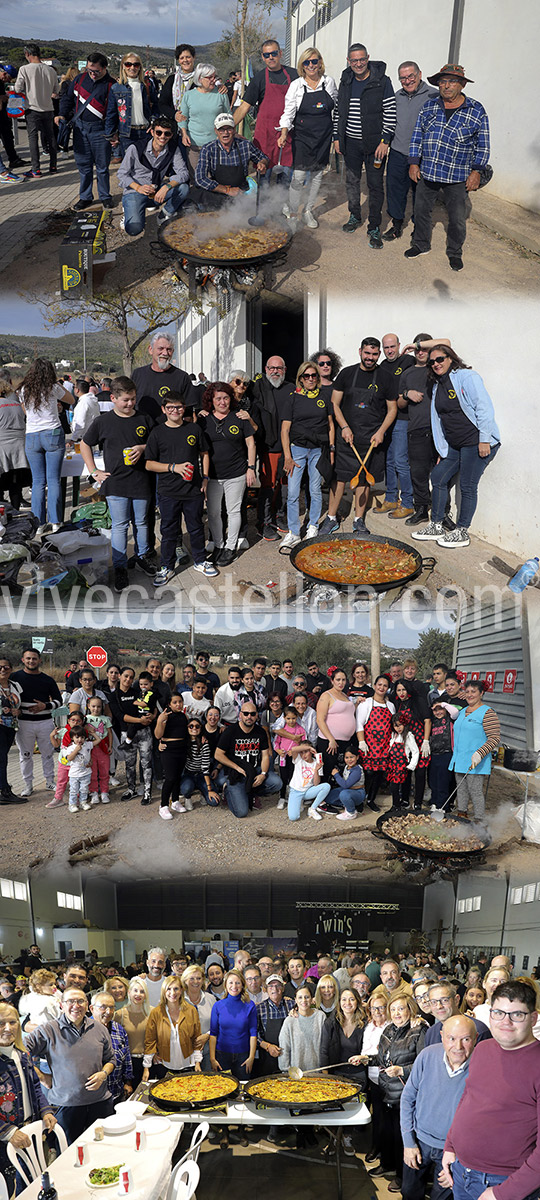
321	927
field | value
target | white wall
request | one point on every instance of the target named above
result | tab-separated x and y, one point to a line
497	54
483	333
213	344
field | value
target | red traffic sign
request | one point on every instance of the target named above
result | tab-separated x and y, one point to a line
96	656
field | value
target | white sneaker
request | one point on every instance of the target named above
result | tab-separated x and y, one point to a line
286	212
281	802
430	532
177	806
26	791
290	540
122	223
346	816
114	782
242	544
312	531
188	803
105	799
86	806
50	786
94	798
454	538
165	814
310	220
73	808
312	812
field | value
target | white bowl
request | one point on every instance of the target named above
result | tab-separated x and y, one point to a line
131	1108
120	1123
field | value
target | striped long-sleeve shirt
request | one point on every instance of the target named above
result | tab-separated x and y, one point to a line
354	116
448	146
198	758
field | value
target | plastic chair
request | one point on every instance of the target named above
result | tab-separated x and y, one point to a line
31	1162
191	1155
185	1180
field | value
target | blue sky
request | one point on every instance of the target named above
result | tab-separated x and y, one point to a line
145	21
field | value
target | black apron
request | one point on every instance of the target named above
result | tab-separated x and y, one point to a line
266	1064
227	176
312	131
364	414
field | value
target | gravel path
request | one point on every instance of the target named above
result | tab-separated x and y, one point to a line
210	840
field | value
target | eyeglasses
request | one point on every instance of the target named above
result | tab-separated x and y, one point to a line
517	1017
311	62
174	407
357	62
443	1003
441	358
271	54
163	133
407	78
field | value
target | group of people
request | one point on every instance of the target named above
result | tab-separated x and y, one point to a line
330	740
433	137
448	1062
424	417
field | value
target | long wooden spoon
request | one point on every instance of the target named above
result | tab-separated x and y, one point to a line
369	478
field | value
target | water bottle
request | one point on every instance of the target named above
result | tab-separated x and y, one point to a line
48	1190
519	581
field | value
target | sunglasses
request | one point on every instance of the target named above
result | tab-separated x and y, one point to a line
441	358
324	362
309	375
239	381
133	64
311	62
271	54
163	133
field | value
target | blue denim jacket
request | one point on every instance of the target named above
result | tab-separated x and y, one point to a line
119	112
476	404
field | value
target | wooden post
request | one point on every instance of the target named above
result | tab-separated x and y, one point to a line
375	635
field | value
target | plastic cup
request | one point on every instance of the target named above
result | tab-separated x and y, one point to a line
125	1182
81	1154
188	471
140	1139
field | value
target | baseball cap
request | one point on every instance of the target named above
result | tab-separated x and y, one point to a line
224	120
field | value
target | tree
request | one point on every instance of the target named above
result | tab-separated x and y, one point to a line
251	24
129	312
433	646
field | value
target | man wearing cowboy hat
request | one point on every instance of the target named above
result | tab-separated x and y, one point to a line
449	150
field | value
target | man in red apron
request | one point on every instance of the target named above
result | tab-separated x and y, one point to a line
266	92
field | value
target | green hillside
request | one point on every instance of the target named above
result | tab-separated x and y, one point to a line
68	52
102	348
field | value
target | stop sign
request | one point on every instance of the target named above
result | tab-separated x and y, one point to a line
96	656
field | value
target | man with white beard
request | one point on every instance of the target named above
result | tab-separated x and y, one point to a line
270	392
159	378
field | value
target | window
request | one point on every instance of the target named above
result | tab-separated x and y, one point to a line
477	903
12	889
461	906
516	895
65	900
529	893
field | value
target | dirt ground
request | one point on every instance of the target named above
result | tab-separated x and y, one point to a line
212	841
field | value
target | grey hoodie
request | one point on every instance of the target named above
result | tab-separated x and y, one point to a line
408	108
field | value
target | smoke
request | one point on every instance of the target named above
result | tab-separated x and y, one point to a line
131	852
235	215
499	822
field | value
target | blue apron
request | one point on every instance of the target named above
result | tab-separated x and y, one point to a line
469	735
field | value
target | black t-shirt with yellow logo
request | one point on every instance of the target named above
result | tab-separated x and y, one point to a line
308	414
226	440
179	444
113	434
152	386
457	428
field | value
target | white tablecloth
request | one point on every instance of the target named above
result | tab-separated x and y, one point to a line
151	1167
245	1114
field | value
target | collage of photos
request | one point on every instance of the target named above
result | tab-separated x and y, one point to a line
269	601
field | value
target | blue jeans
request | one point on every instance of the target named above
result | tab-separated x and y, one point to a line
135	205
304	458
350	798
414	1181
440	778
317	793
45	454
123	511
398	182
469	1184
398	472
471	468
91	149
237	795
194	781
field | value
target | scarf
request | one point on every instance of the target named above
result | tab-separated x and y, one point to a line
181	83
302	391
